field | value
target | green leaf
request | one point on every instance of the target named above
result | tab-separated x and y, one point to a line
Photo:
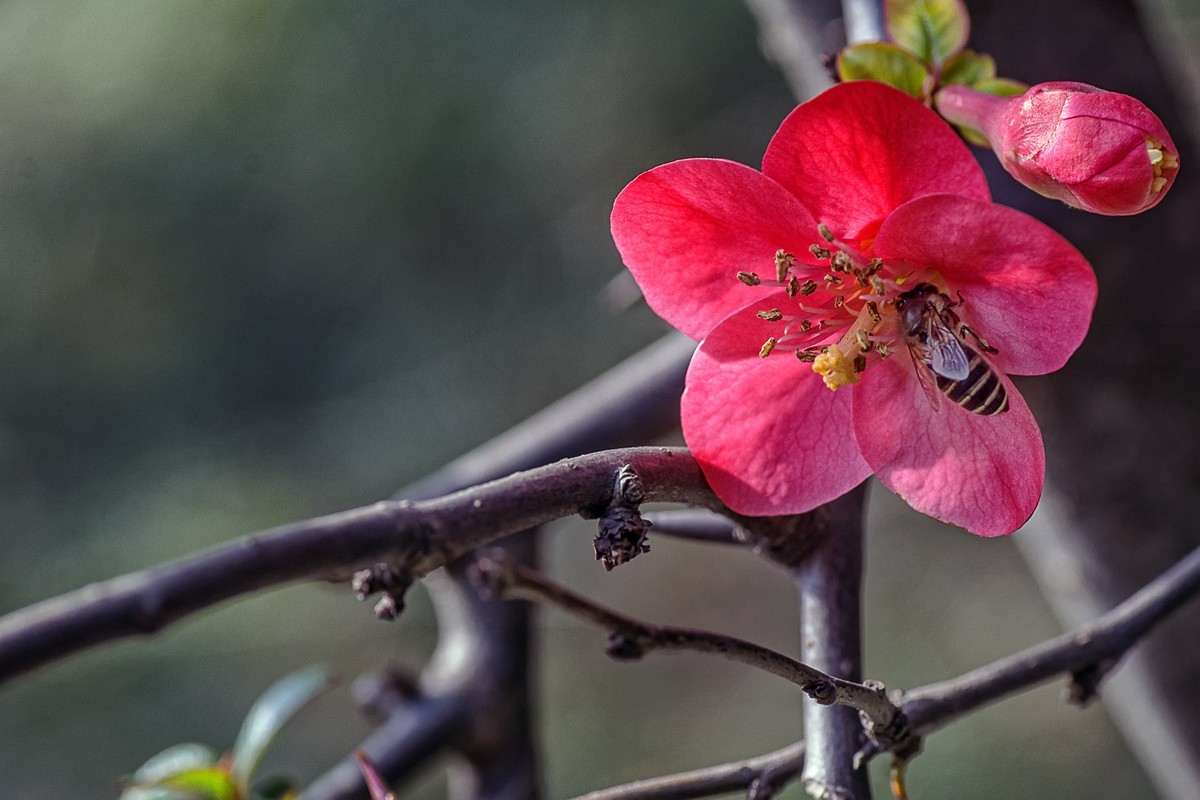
933	29
175	759
968	68
209	782
882	61
1001	87
269	714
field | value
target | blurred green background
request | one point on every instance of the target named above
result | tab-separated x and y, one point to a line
266	260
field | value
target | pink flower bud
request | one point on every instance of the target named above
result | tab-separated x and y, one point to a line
1100	151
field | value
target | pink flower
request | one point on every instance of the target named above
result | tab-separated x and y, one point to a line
794	274
1100	151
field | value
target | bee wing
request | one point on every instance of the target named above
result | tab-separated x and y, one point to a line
947	357
926	379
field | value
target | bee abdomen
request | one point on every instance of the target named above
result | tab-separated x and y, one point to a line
981	392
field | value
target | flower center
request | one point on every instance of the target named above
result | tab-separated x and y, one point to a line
1161	160
843	319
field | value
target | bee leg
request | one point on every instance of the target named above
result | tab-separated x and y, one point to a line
965	330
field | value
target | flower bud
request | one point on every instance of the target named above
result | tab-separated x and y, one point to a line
1100	151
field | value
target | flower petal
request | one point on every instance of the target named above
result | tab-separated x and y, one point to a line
770	438
980	473
859	150
687	228
1026	289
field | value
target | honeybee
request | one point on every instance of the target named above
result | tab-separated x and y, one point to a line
944	362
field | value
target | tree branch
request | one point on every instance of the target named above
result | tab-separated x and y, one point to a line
415	538
1099	644
631	639
762	775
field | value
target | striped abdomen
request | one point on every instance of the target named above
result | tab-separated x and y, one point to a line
981	392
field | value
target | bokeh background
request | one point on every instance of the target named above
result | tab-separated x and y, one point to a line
261	261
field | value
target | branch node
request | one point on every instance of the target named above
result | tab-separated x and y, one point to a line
622	528
386	580
381	694
821	691
1084	686
624	648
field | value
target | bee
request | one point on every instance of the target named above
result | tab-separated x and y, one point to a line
944	362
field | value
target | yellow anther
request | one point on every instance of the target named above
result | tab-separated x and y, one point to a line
834	368
767	347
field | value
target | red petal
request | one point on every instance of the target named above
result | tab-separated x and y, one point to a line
687	228
857	151
1027	290
981	473
769	436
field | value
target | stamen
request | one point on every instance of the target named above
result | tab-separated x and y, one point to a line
784	261
767	347
873	310
749	278
841	262
793	286
882	349
808	287
864	341
860	362
772	315
826	234
807	356
805	325
839	301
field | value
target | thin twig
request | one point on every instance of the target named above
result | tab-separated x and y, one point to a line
415	538
696	525
1104	640
768	771
632	639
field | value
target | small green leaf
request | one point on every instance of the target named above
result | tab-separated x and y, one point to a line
968	68
269	714
211	783
1001	87
175	759
208	782
933	29
882	61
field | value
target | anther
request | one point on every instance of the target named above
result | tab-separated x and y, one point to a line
749	278
808	287
826	234
767	347
807	356
864	341
783	262
873	310
877	285
793	286
882	349
805	325
819	253
860	362
839	301
772	315
841	262
833	280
